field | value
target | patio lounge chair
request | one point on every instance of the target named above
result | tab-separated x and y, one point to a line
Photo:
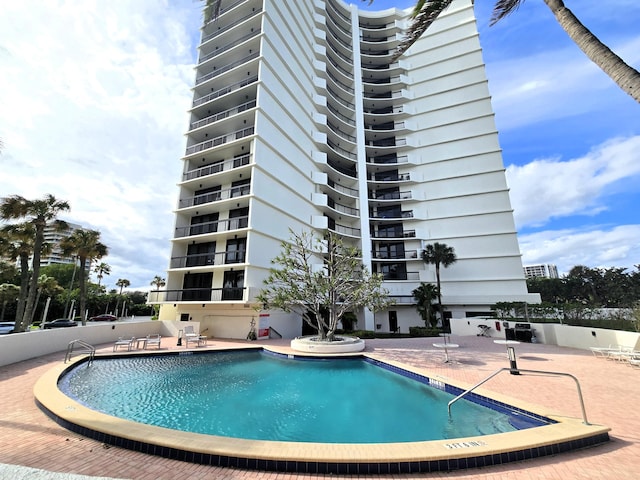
153	341
124	342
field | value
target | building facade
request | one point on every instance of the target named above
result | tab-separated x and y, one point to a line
53	236
302	120
542	271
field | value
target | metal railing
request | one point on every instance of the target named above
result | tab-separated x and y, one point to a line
84	348
230	137
218	167
518	371
224	91
226	68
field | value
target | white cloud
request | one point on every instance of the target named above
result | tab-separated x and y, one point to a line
606	247
551	188
94	99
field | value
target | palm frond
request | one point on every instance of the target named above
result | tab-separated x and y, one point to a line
502	8
424	14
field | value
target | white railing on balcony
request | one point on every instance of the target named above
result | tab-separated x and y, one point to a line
223	115
217	196
226	68
226	165
226	28
212	227
224	91
228	46
208	259
230	137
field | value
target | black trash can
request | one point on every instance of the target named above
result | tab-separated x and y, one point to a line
510	333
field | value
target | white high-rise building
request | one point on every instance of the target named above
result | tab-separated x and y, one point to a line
302	120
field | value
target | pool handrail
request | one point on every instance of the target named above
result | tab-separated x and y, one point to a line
86	348
540	372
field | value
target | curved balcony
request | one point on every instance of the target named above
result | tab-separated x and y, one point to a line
352	192
402	254
389	177
383	216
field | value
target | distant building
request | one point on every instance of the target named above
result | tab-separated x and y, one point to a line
542	271
53	237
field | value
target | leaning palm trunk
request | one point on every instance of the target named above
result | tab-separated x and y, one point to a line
627	78
33	284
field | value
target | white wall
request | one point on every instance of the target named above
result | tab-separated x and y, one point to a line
17	347
553	333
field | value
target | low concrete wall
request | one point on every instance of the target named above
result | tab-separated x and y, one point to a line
16	347
552	333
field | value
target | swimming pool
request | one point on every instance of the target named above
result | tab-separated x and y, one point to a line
315	457
261	396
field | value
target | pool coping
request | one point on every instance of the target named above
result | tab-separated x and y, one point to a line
306	457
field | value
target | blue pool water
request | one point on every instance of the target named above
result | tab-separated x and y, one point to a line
255	395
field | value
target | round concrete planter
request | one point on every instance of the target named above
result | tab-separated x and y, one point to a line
339	345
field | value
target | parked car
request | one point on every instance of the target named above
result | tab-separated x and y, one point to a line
60	323
6	327
105	317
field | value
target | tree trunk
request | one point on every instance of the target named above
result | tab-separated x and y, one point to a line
82	300
625	76
33	284
24	289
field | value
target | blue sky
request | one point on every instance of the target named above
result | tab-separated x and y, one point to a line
93	102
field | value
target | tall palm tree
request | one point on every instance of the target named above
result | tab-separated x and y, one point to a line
439	254
625	76
122	283
157	282
39	213
101	270
49	286
86	245
16	244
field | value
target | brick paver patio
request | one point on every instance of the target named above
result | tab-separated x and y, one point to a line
611	389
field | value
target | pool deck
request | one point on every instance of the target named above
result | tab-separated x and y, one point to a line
611	390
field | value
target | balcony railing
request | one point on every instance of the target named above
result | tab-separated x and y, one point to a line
390	195
386	255
345	230
340	133
230	137
394	234
224	91
212	227
218	167
226	28
208	259
223	115
393	216
229	46
197	295
216	196
342	117
342	189
388	159
343	152
226	68
381	177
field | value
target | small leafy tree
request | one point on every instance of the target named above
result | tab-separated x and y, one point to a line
425	295
321	279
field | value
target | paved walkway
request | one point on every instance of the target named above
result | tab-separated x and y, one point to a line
30	440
